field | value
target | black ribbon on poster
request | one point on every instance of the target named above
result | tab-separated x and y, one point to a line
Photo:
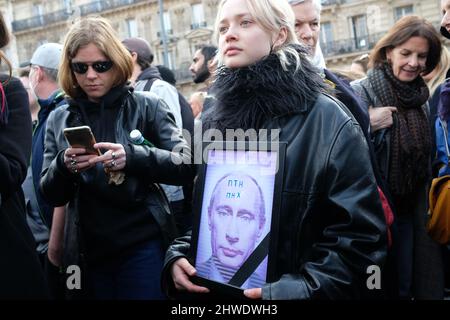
250	265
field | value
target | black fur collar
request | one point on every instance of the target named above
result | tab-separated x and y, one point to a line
248	97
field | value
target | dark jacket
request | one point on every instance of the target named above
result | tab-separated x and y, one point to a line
353	102
47	106
39	212
381	138
329	208
21	276
345	94
418	257
119	217
332	225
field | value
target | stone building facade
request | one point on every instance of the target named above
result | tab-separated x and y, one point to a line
349	27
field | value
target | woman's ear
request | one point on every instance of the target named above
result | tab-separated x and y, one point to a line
281	37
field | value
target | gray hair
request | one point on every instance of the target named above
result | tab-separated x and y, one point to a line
52	74
317	3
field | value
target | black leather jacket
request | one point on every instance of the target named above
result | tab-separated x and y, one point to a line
332	226
145	166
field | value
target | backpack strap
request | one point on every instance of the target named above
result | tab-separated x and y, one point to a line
149	84
444	127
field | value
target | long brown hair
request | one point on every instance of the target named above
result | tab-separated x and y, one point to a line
404	29
4	40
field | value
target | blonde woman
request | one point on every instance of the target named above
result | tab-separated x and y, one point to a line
331	223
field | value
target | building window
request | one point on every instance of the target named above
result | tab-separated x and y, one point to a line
198	16
326	37
359	29
167	24
132	28
400	12
170	59
326	33
38	9
66	5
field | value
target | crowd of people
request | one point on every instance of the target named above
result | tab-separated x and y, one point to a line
360	155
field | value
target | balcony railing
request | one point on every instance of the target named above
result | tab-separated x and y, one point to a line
198	25
99	6
350	45
39	21
61	15
330	2
168	33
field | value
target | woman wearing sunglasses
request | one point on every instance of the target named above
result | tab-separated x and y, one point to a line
112	197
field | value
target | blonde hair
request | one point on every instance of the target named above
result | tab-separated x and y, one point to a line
98	31
197	101
272	16
440	72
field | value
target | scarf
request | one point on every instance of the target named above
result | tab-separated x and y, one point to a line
410	134
247	97
101	116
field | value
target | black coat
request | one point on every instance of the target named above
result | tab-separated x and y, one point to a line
124	216
21	276
353	102
332	225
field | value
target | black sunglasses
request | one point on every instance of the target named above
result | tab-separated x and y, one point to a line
98	66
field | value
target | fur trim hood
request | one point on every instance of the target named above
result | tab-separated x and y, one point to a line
250	96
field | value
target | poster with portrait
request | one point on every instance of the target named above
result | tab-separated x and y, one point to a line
236	216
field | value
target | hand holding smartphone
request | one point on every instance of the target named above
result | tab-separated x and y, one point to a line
81	137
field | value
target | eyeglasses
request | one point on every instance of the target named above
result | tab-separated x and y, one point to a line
98	66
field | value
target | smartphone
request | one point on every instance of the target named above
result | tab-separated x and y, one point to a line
81	137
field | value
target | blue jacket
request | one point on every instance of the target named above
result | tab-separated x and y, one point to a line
47	106
441	152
